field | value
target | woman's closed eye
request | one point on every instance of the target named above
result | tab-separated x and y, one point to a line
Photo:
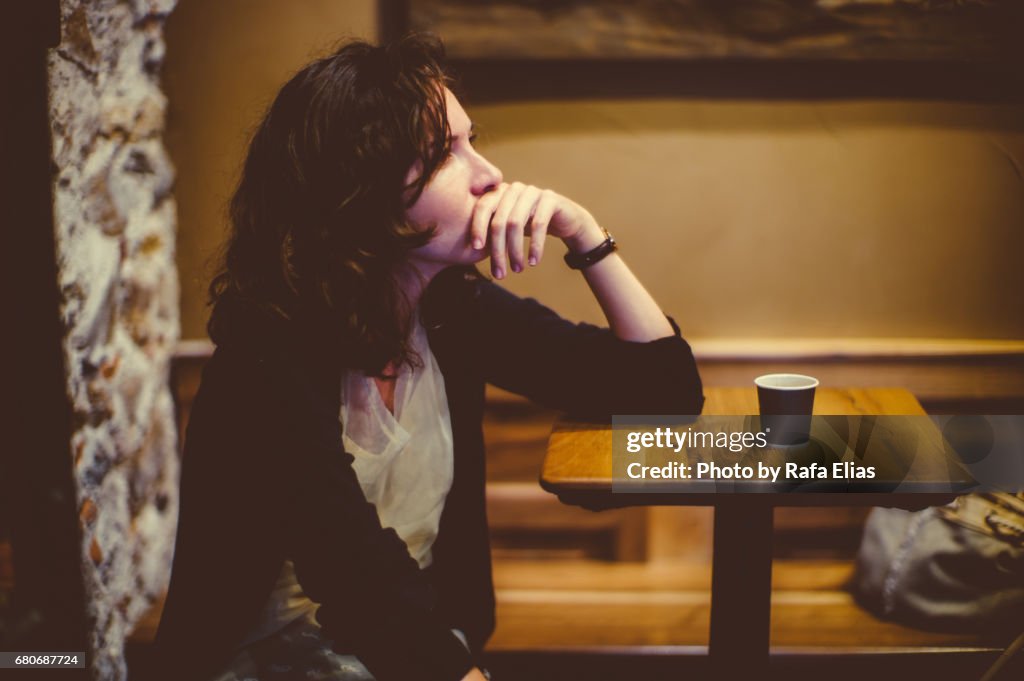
470	140
453	144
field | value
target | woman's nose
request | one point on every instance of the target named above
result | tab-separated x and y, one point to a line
488	176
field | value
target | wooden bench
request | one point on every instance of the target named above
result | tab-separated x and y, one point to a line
600	620
585	605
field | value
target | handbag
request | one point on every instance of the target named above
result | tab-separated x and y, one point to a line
956	568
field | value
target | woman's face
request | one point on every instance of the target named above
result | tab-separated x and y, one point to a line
448	200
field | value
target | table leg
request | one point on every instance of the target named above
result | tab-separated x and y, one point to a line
741	582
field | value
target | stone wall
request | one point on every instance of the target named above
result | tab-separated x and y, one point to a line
115	232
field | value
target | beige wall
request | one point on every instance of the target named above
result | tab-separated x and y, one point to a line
746	219
750	219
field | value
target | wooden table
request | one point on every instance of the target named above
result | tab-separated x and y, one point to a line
578	468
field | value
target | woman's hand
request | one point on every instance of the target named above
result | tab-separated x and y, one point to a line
474	675
503	218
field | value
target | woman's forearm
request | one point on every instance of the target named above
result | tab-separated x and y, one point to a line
631	312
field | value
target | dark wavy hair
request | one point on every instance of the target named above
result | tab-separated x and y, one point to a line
317	221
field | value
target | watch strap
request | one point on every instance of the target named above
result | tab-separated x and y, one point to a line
580	261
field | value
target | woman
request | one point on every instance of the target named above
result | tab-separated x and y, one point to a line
332	496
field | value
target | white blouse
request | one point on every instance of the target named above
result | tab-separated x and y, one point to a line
404	463
403	460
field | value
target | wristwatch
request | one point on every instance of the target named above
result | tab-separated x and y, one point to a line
581	261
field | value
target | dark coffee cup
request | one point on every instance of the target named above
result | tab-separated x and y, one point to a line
786	402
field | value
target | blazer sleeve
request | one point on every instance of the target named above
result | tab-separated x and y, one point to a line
375	601
581	368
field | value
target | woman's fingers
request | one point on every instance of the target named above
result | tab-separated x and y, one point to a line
499	228
505	217
542	214
482	214
518	219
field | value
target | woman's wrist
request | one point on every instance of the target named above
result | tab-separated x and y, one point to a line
587	238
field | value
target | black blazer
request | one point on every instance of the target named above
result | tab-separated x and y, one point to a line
265	478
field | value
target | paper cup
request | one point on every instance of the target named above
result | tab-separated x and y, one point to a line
786	402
